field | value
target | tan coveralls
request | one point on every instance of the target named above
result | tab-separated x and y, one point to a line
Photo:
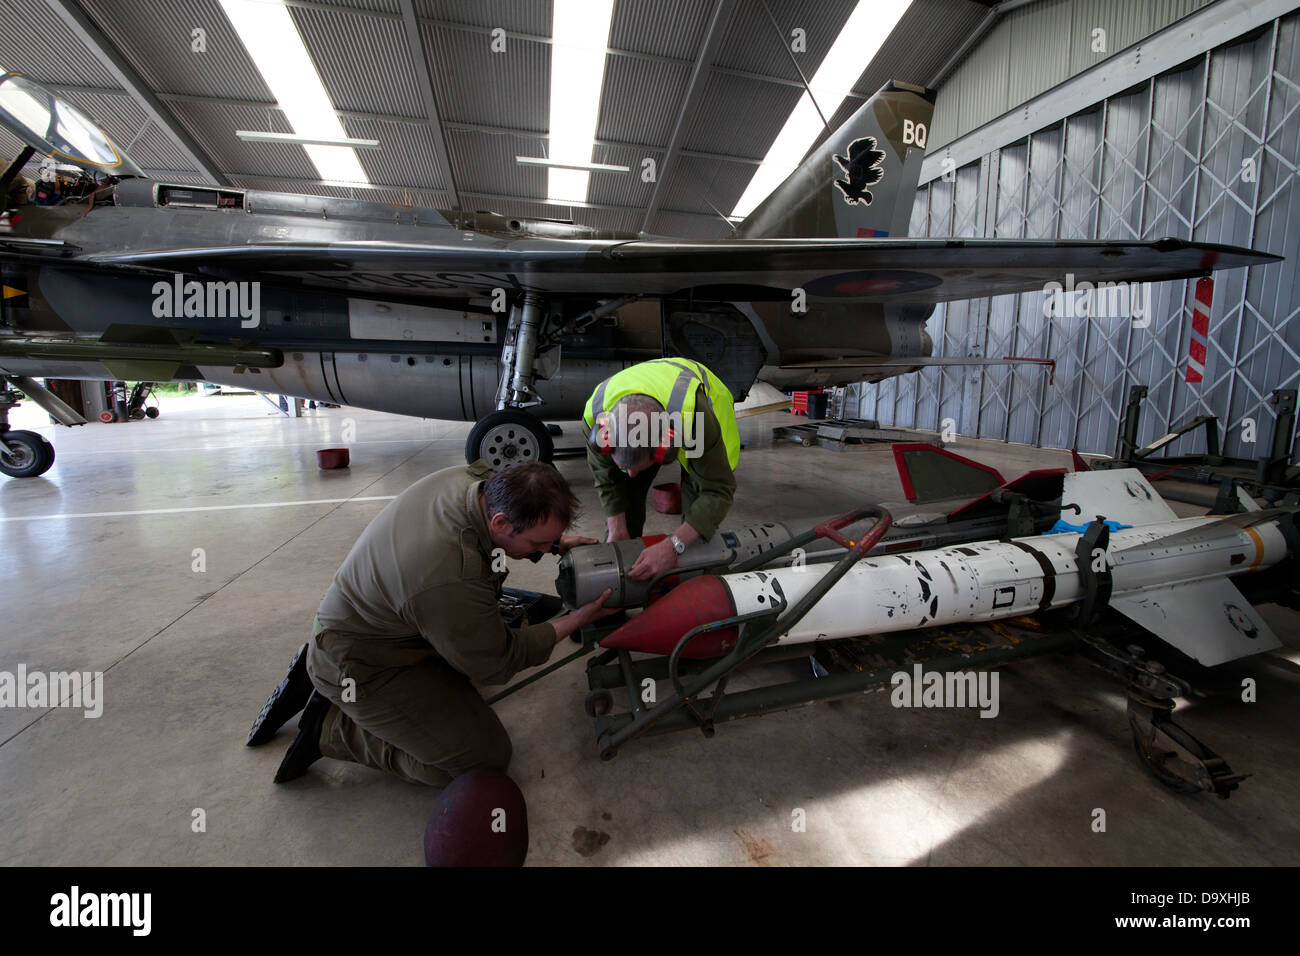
412	618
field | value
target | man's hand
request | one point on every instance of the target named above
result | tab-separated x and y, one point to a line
653	561
575	620
573	541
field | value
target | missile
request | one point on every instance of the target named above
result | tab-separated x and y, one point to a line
585	572
1170	576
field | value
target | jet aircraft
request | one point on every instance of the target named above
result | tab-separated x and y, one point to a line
480	317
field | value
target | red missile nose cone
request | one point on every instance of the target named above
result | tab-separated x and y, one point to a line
657	629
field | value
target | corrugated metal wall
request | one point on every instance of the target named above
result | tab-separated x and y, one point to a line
1164	159
1053	40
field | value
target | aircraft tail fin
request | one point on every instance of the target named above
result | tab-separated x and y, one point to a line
860	182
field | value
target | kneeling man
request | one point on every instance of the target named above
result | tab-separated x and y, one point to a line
411	624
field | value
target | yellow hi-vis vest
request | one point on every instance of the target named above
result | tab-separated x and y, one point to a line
673	383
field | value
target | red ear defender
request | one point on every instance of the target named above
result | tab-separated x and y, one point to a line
600	437
663	452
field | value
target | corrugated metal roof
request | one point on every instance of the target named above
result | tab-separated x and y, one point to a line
362	55
362	60
156	150
668	223
374	6
738	116
534	16
486	163
213	126
667	28
473	84
155	38
699	182
641	100
35	41
405	155
118	116
753	44
622	189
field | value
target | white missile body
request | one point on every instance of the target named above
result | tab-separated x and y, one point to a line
1168	574
990	580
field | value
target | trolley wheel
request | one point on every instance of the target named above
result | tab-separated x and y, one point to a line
598	703
151	411
1154	763
107	417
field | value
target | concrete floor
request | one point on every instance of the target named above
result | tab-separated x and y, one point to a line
188	658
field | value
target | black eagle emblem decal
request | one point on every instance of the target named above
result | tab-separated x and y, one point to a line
862	169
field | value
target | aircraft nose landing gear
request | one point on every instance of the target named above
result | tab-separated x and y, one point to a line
24	454
508	437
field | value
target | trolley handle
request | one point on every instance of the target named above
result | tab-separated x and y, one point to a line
831	529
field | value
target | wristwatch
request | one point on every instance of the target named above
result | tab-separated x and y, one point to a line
678	546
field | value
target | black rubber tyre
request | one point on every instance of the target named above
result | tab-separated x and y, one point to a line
508	438
151	412
598	703
32	455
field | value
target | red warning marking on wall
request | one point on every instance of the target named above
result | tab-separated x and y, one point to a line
1198	345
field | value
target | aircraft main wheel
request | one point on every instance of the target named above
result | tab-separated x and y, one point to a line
508	438
30	455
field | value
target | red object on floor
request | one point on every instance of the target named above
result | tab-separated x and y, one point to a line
667	498
332	457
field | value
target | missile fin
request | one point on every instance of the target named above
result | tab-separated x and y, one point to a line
1121	494
1210	621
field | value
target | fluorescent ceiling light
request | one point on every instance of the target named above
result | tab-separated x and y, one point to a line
268	33
555	164
579	37
259	136
868	25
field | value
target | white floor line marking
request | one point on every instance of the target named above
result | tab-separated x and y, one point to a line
174	511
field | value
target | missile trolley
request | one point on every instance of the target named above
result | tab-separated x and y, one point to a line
1099	564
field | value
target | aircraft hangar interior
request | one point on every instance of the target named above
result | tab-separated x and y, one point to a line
739	432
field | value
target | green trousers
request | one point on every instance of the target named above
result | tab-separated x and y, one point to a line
401	708
638	490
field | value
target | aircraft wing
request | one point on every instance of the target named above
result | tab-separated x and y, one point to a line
866	270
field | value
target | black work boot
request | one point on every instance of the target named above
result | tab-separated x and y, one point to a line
305	749
289	697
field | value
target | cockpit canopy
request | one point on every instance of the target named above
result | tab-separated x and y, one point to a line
54	127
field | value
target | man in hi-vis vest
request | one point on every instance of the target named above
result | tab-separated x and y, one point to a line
641	418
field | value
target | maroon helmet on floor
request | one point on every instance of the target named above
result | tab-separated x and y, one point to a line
479	820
